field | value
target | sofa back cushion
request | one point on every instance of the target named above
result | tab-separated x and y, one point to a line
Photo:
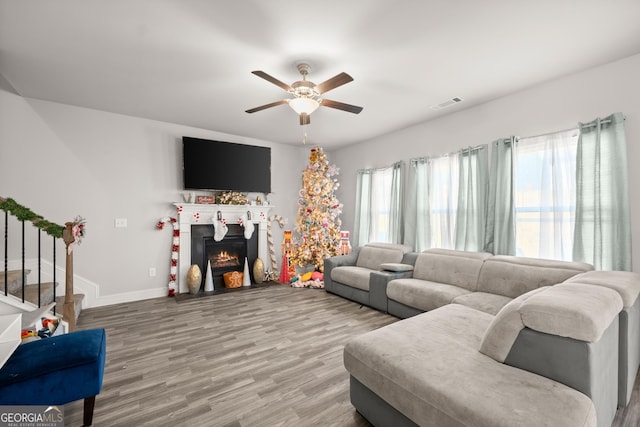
372	255
513	276
458	268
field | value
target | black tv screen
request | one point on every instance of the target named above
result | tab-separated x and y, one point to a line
217	165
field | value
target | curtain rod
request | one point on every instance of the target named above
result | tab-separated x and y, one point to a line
393	165
476	148
577	127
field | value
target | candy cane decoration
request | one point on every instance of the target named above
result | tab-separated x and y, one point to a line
175	247
272	253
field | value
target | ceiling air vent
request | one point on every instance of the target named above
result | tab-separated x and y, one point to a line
447	103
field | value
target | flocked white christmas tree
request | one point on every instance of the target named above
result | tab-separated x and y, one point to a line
318	221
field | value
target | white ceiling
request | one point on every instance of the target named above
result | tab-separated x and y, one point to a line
190	61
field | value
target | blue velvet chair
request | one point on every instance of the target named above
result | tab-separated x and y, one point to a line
56	371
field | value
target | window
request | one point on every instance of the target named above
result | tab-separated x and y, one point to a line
379	205
545	195
446	201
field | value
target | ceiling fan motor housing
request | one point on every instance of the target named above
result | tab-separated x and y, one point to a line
304	88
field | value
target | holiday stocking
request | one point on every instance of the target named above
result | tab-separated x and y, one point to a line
220	229
248	226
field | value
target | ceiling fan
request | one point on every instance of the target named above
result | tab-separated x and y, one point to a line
306	94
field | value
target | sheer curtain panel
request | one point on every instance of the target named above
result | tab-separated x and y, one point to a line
379	205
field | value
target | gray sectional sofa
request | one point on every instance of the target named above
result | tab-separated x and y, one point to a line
492	340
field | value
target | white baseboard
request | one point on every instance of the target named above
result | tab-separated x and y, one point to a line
82	285
131	296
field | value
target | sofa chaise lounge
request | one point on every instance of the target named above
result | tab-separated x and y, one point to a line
549	358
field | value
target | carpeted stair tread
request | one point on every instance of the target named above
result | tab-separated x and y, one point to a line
31	293
14	278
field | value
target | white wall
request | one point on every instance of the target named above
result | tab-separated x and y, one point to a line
61	161
552	106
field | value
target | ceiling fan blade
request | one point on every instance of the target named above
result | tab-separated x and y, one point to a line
341	106
334	82
264	107
273	80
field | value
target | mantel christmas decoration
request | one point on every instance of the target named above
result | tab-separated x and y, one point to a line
231	198
318	221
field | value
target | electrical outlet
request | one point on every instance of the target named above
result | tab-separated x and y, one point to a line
121	222
152	272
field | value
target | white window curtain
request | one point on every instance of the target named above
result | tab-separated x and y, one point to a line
446	201
545	195
603	228
379	205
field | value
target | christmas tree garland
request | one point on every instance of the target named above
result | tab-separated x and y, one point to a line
23	213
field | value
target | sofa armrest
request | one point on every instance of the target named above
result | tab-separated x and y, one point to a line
338	261
378	281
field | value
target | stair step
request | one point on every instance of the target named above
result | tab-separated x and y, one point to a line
31	293
77	298
14	278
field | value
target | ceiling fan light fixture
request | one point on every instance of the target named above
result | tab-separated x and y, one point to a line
303	105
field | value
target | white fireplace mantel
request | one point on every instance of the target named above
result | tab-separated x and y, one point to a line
194	214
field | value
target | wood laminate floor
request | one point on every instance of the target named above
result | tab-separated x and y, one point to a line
261	357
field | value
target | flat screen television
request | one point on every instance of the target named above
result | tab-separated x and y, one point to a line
217	165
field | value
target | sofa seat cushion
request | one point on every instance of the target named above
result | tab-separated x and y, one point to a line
488	303
423	294
428	367
351	275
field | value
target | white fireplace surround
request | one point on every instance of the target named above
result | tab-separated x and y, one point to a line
195	214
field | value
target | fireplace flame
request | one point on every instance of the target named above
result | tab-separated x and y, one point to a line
225	259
